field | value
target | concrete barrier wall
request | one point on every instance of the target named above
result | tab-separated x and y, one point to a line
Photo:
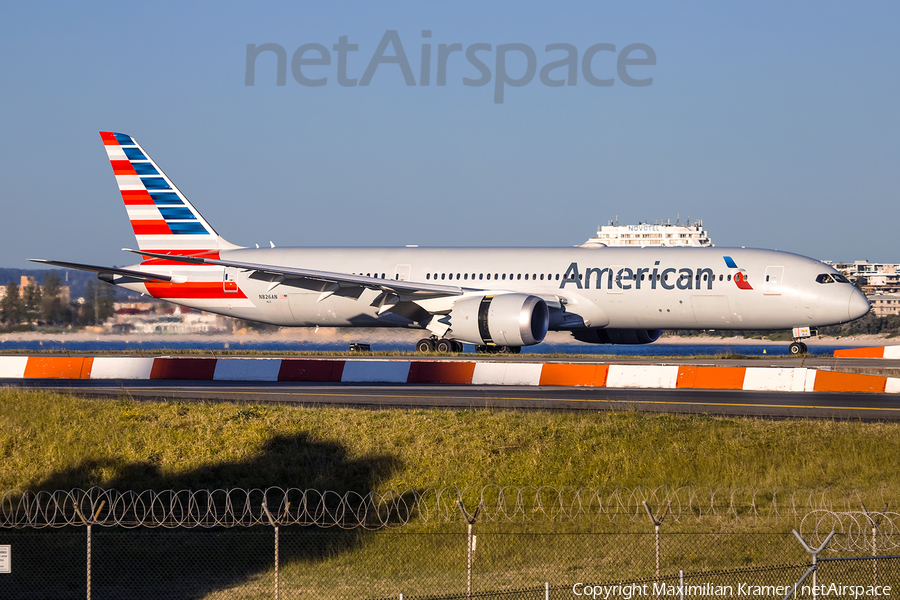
461	372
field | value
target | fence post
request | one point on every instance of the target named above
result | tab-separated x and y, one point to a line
874	525
470	543
275	523
88	523
813	568
656	524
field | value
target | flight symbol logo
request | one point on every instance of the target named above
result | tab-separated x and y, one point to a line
740	278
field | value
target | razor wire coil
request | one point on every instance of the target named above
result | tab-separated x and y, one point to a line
812	510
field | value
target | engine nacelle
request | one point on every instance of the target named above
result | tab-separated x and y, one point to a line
617	336
503	319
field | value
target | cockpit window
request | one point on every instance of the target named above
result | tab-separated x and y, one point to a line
840	278
824	278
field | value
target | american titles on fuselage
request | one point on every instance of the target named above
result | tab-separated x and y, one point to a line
626	278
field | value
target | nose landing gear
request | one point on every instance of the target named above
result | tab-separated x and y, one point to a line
799	333
797	348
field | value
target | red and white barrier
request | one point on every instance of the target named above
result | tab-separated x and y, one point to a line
458	372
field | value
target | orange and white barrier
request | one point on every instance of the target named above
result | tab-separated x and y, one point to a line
461	372
875	352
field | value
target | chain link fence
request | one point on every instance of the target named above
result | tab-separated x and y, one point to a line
60	552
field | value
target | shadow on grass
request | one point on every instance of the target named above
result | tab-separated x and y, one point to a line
195	563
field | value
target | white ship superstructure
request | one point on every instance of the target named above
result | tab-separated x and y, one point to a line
650	234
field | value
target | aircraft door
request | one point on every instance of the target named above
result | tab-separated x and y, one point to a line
229	279
774	280
401	273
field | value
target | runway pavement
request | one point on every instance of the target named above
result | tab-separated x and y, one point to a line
817	405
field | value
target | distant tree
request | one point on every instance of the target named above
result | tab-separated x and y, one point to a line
87	315
51	303
32	301
11	305
106	297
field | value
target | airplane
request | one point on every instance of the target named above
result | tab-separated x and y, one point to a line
498	299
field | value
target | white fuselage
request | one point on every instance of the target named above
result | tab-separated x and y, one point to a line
644	288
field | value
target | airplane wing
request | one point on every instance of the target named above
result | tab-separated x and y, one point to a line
140	275
407	289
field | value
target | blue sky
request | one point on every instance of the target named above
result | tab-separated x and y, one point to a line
776	123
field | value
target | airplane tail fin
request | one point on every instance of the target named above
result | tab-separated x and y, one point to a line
162	218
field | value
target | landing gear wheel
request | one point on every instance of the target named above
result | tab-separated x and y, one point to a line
506	349
457	347
797	348
444	346
424	346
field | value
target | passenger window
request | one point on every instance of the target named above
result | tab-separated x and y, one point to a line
519	276
427	275
480	276
443	275
504	277
466	276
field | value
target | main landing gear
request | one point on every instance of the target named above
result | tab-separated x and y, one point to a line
498	349
444	346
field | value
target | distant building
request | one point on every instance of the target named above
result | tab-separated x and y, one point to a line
163	318
885	304
872	278
650	234
24	282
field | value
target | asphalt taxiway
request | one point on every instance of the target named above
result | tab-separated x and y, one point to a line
780	405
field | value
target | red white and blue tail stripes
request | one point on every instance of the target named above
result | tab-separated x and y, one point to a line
162	218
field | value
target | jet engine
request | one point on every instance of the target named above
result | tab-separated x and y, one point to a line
504	320
617	336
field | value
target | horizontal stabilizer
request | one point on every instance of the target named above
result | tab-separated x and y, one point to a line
112	270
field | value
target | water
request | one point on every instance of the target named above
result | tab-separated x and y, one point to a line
214	345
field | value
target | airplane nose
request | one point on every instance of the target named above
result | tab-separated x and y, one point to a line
859	305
